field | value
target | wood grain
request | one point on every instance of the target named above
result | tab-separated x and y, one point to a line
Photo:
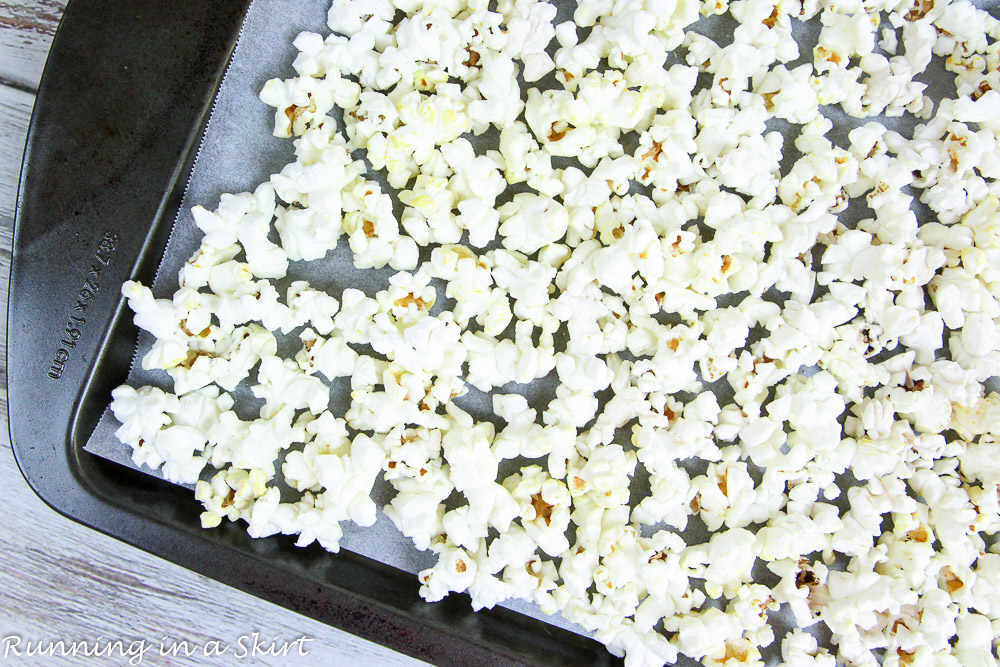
62	581
26	31
15	110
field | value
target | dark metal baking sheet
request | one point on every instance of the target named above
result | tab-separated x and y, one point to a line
126	92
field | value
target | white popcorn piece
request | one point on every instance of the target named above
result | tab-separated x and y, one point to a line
304	102
254	445
529	222
348	480
728	558
157	316
529	24
544	508
282	383
699	633
454	571
142	412
231	493
330	356
501	96
494	364
800	648
329	436
179	447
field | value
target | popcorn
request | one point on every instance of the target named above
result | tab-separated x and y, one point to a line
975	640
800	648
454	571
414	468
282	384
178	447
154	315
745	329
315	522
348	480
544	508
668	499
230	493
227	363
501	97
726	495
529	26
329	436
588	125
349	17
494	364
843	36
642	648
330	356
795	535
526	282
802	587
605	476
354	319
789	94
529	222
699	633
728	558
142	412
255	445
303	102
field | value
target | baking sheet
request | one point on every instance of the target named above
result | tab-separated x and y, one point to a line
239	152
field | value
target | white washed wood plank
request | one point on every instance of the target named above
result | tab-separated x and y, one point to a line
5	224
26	30
15	111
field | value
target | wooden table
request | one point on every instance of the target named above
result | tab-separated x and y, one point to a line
60	580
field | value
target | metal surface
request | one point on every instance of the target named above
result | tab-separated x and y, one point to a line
126	92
